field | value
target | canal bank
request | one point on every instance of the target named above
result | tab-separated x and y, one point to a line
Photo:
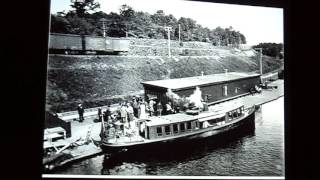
81	144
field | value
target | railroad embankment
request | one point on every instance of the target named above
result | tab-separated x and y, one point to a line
96	80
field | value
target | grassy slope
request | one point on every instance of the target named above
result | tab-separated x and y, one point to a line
96	80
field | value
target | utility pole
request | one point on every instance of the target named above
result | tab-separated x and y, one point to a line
104	29
168	29
103	20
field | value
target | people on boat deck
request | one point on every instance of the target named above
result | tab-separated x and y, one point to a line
80	112
142	105
169	108
139	100
107	114
123	113
130	113
257	89
159	108
151	107
205	124
135	106
176	108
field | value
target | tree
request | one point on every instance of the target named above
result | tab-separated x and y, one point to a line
116	27
126	11
80	20
142	25
60	24
187	26
82	7
80	25
159	18
271	49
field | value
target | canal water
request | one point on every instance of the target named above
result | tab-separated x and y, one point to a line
246	152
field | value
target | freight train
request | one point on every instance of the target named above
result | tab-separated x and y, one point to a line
85	44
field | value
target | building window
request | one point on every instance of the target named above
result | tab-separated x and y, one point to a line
189	125
159	131
225	90
175	128
167	130
182	128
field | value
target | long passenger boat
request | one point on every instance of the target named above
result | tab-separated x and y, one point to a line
184	126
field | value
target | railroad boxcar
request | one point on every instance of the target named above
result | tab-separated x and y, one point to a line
84	44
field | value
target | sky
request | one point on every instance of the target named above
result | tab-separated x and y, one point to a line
257	24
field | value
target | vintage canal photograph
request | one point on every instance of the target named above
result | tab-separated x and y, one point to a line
170	88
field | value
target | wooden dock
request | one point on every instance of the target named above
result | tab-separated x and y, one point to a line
68	156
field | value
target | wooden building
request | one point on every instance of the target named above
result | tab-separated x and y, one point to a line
214	87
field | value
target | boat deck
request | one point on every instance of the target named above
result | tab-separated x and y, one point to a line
215	110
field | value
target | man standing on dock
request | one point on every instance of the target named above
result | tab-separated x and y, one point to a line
100	114
80	111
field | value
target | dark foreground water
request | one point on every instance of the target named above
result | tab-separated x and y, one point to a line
246	152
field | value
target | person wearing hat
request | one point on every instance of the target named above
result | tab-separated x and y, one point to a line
151	107
100	114
107	116
80	111
159	108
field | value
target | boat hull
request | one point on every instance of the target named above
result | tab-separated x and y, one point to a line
247	123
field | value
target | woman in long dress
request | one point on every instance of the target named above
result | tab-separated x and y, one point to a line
142	110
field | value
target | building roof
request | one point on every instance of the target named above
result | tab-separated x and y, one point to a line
181	83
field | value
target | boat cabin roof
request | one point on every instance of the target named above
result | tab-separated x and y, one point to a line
180	83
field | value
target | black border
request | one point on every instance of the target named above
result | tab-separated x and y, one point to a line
26	27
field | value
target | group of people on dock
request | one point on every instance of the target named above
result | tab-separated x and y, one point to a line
136	108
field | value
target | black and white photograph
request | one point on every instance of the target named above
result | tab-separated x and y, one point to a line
164	89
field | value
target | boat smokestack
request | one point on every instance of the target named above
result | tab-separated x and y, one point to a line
226	72
201	73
